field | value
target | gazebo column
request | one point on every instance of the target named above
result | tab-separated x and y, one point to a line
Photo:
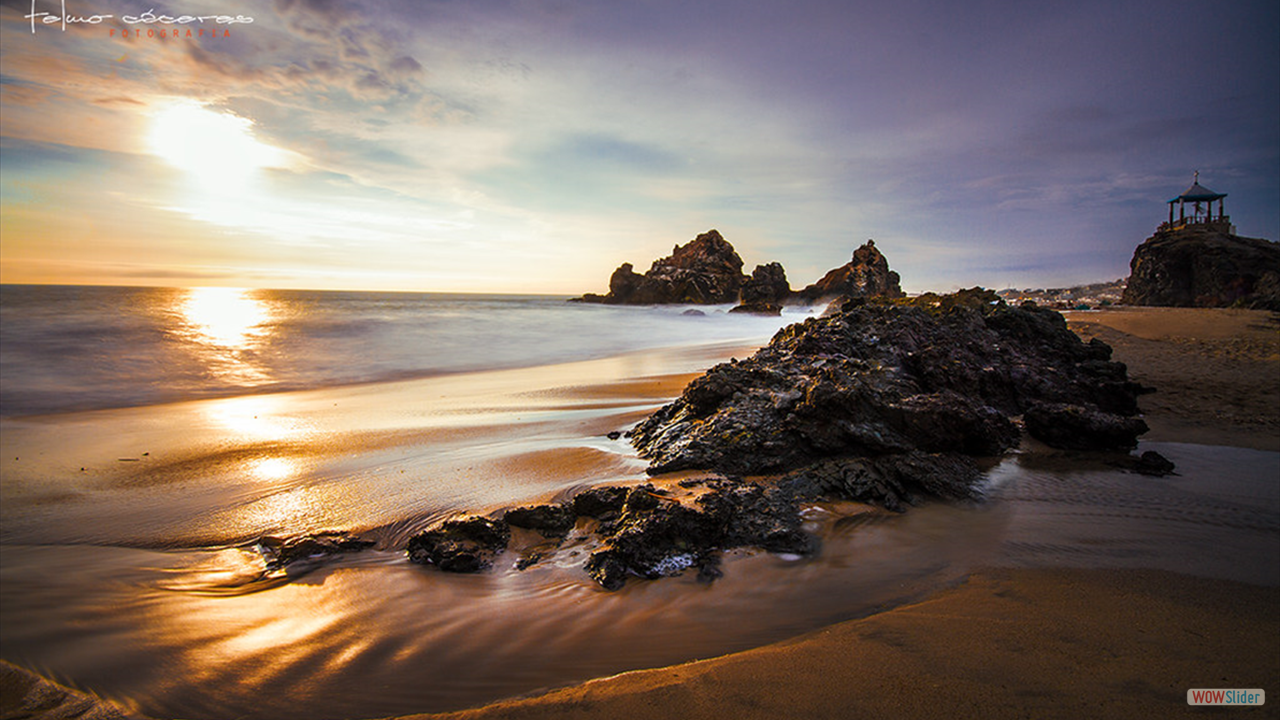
1170	214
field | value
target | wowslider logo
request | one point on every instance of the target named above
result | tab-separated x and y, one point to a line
1226	697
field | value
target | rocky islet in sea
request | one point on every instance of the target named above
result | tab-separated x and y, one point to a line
708	271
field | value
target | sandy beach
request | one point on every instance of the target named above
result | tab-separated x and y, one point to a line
1216	371
1055	628
1054	643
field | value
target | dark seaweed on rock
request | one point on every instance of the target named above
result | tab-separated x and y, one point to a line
874	379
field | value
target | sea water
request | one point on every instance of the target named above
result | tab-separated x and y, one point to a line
76	348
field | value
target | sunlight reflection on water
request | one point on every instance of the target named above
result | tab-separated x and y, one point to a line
230	327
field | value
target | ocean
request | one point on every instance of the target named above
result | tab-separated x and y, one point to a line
78	348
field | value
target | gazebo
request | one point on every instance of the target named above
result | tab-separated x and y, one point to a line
1201	200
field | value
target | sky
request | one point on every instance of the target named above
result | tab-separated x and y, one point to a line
532	146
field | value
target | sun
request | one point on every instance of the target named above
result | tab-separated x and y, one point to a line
216	149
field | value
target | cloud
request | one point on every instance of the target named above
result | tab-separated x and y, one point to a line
950	133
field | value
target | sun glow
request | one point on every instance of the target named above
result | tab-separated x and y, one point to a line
216	149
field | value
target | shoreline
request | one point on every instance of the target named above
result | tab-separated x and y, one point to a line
1060	642
1050	642
801	673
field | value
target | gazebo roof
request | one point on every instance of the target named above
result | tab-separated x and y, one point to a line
1198	193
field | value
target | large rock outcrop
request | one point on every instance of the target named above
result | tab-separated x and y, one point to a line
1201	267
880	380
706	270
883	402
866	275
767	284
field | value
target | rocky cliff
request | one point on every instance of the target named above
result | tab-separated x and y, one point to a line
1204	268
706	270
866	275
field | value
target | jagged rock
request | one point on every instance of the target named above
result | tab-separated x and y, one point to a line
623	282
866	275
1202	267
707	270
655	538
767	284
758	308
281	552
600	502
549	520
879	378
461	545
1073	427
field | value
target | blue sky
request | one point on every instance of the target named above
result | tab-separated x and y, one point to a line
533	146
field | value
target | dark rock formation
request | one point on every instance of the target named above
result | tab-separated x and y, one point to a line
655	537
1201	267
600	503
707	270
868	380
549	520
463	545
878	401
758	308
1074	427
1149	463
282	552
767	284
867	275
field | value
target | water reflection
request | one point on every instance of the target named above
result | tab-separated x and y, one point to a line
258	418
273	468
229	327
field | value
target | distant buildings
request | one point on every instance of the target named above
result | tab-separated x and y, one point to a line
1081	297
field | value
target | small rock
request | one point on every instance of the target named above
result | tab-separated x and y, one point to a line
549	520
462	545
758	308
597	502
280	552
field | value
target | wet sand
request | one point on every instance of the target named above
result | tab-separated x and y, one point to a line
1013	640
1006	644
